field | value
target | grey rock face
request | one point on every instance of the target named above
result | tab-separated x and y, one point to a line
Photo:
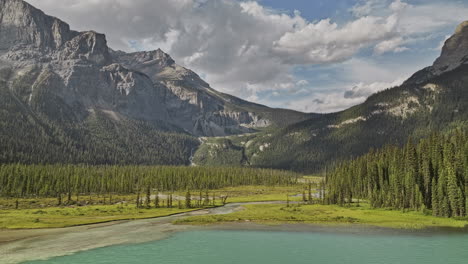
22	24
454	54
88	46
192	104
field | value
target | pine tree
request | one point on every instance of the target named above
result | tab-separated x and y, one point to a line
454	193
188	200
148	197
138	200
156	200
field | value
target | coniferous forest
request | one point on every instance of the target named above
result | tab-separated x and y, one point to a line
430	175
35	181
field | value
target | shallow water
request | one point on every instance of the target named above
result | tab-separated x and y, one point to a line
271	247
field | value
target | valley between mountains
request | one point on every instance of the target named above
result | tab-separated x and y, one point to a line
89	134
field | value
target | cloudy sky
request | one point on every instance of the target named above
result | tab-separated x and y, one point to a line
307	55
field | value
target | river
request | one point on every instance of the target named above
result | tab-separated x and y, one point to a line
158	241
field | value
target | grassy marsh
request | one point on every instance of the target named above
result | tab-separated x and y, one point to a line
328	215
44	212
72	216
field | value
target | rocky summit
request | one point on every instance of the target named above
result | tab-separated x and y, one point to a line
454	54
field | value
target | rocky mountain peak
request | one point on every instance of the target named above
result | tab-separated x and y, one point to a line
454	52
462	27
155	60
160	56
23	24
89	46
160	67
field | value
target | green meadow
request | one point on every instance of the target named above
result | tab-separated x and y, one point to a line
327	215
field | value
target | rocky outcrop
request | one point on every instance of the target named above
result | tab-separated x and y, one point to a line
191	102
160	67
21	24
87	46
454	54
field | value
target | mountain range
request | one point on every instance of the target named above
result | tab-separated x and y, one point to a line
434	99
66	97
67	93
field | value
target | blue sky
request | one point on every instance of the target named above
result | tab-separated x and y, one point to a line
334	77
307	55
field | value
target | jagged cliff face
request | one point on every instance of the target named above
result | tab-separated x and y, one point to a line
86	75
193	105
22	25
454	54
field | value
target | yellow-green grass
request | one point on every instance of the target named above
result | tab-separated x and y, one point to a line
253	193
311	179
73	216
83	200
44	212
328	215
261	193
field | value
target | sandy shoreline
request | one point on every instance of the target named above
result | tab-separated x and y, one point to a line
11	235
36	244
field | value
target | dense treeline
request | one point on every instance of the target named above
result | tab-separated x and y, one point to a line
24	181
431	175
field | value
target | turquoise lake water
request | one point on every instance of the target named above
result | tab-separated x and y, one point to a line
273	247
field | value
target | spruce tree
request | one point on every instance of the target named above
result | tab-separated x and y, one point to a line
148	197
188	200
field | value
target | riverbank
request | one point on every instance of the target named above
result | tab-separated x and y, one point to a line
76	216
276	214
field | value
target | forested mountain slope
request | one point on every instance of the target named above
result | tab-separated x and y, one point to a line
434	99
